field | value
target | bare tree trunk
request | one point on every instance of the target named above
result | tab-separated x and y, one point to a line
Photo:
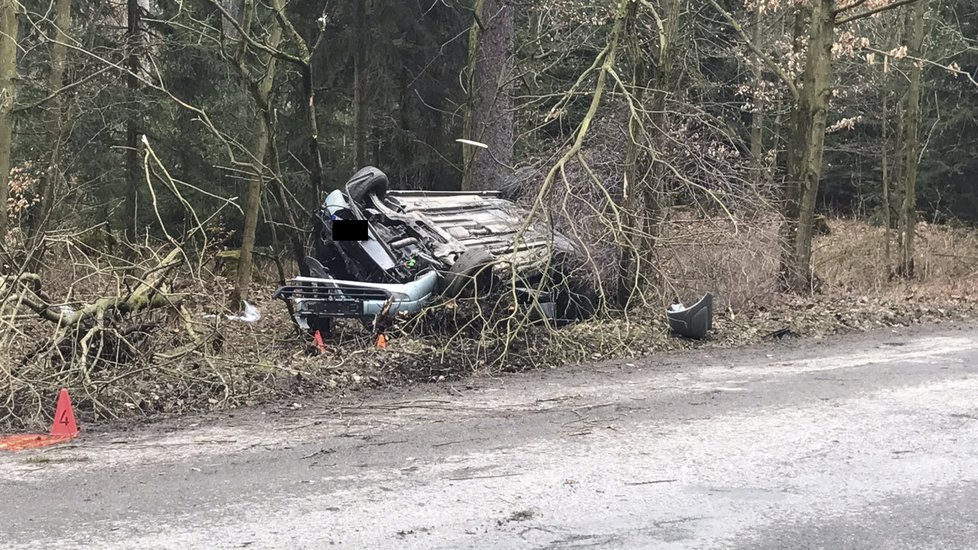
629	267
806	142
252	209
475	31
886	182
52	176
360	84
646	202
133	45
657	196
489	118
8	94
316	158
260	88
806	147
298	248
303	61
757	116
908	212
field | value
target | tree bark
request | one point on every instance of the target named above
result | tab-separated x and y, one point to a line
489	117
665	80
52	176
885	161
629	266
252	209
133	45
360	111
757	115
303	62
646	199
316	158
806	147
475	31
260	88
908	211
8	94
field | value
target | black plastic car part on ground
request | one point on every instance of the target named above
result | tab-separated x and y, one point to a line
693	321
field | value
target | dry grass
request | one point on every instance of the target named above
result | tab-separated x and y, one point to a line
737	262
851	261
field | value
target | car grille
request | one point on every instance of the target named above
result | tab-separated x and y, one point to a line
329	291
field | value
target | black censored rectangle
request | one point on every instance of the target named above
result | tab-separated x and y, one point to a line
349	230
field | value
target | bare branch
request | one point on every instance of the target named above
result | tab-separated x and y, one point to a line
867	13
775	68
302	62
951	70
56	93
848	7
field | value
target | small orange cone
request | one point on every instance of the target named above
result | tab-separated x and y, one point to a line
63	429
318	338
381	341
64	417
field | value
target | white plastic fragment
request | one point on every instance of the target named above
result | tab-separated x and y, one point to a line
250	315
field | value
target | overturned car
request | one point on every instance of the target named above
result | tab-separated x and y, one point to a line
409	249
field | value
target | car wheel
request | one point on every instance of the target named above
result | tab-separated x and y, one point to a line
471	267
514	183
366	181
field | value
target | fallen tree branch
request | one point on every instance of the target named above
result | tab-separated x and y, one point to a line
146	295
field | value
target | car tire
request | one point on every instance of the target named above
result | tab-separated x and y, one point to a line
367	180
470	267
514	183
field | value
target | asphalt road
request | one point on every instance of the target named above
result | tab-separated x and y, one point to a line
861	442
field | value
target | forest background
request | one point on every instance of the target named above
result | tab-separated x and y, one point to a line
811	162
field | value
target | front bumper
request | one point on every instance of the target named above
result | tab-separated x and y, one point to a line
315	300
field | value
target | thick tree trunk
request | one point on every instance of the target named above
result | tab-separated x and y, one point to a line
133	45
489	117
908	211
475	32
52	176
303	61
360	131
806	147
8	94
646	199
629	266
657	196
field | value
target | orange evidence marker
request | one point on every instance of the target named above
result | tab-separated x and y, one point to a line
63	429
64	417
381	341
318	338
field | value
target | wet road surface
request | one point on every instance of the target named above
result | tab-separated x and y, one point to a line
868	441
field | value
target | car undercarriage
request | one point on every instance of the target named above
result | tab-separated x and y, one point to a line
423	246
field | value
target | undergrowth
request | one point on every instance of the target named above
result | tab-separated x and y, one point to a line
194	358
